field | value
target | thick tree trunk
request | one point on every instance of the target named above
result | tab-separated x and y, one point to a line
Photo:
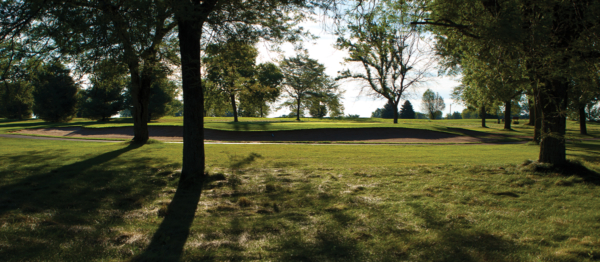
482	115
193	102
531	113
537	112
298	111
235	113
395	113
507	118
552	145
140	96
582	118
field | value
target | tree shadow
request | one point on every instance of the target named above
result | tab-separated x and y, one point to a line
457	241
169	239
68	205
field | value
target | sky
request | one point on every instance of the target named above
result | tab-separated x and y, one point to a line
355	102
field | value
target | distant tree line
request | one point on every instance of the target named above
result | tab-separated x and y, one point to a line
48	91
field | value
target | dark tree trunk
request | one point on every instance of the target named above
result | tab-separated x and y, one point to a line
395	113
537	113
235	113
582	118
261	111
298	110
531	113
482	114
552	145
140	96
193	101
507	118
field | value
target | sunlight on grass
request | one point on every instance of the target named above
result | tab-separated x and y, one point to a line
65	200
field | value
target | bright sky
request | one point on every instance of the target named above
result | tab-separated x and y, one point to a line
354	102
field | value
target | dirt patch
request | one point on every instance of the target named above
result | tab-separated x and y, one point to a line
175	133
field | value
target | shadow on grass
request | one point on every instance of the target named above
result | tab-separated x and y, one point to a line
169	239
73	207
457	241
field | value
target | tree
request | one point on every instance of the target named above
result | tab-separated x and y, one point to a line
377	113
268	18
16	100
304	79
265	90
432	104
393	57
106	96
230	67
556	39
163	93
162	98
138	34
389	111
407	111
55	94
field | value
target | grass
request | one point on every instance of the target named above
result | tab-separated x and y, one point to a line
61	201
518	133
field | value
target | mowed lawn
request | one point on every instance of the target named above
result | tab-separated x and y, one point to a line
85	201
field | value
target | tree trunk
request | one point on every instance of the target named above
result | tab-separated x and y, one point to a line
507	118
554	98
193	102
140	96
298	110
582	118
531	113
482	115
537	112
235	113
395	113
261	111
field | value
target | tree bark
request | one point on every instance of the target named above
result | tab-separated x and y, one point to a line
235	113
193	101
531	113
582	118
140	96
482	115
507	117
395	113
552	131
298	110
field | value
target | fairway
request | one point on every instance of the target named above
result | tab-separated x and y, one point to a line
76	200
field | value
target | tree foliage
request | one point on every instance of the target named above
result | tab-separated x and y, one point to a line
106	96
305	84
407	111
231	68
393	57
55	94
552	42
433	104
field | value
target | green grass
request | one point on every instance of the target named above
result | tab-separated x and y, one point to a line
519	132
78	201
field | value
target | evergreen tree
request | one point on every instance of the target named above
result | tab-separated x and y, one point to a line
55	94
388	110
16	100
407	112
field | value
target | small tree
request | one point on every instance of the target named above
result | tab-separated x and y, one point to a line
255	100
55	94
231	68
407	111
305	79
432	104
